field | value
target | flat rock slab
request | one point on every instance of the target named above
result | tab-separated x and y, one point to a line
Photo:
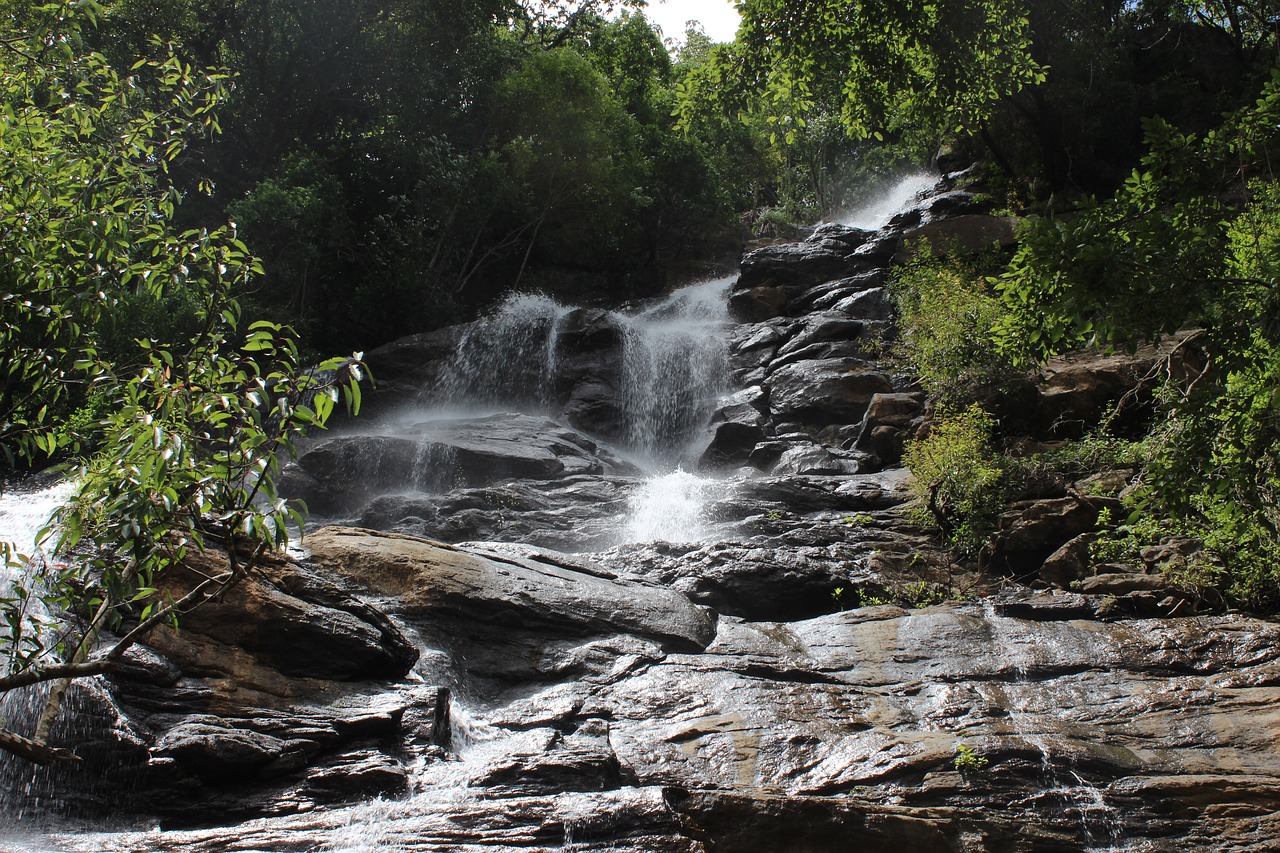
343	473
428	579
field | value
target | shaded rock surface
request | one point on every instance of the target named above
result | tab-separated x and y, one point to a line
821	733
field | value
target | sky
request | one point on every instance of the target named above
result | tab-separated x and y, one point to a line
719	17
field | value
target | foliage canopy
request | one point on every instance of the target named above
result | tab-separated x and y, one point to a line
192	418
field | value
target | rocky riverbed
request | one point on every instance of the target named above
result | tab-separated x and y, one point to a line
571	626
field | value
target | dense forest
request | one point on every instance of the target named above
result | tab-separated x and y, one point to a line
200	199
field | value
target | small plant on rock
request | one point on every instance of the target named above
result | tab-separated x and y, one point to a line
969	761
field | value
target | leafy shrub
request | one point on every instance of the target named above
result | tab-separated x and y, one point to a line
946	313
959	484
1050	472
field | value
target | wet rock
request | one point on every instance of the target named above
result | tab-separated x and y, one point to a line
797	264
825	391
810	458
352	777
762	302
345	472
779	279
819	329
211	747
1174	553
407	366
812	494
588	371
735	429
742	823
887	425
283	622
953	203
1044	606
839	238
573	512
1123	583
866	286
868	305
552	763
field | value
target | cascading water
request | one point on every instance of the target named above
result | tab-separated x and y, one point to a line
671	370
23	514
674	367
874	214
508	357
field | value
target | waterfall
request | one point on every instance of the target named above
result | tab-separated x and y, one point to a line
23	514
666	361
673	364
508	357
874	214
674	367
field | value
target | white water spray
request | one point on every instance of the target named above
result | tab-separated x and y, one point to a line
671	508
675	366
876	214
509	356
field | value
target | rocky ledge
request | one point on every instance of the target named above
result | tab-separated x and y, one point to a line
553	705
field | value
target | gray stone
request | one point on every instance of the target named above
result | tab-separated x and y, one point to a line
970	233
825	391
427	579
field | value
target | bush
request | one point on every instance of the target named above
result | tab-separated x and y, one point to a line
946	313
959	484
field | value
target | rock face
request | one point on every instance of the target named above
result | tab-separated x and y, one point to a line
340	475
497	666
430	581
618	714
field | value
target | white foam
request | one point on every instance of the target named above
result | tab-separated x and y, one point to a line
671	508
876	214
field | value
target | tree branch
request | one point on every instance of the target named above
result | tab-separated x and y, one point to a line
30	750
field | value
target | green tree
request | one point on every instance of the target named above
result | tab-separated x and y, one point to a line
923	68
1169	252
193	424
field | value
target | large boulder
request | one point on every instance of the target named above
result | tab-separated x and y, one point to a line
342	473
1078	390
430	580
970	233
1027	537
774	277
825	391
736	427
587	377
